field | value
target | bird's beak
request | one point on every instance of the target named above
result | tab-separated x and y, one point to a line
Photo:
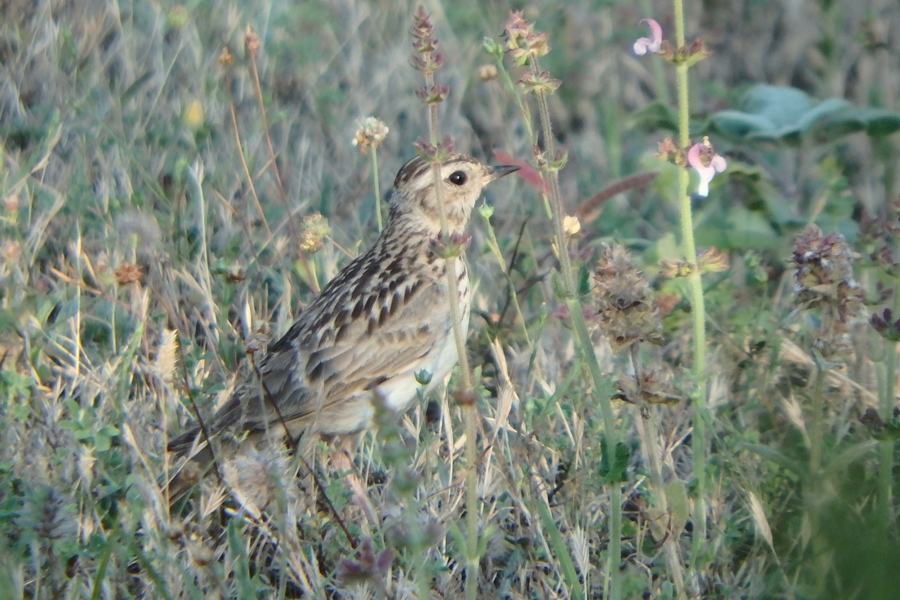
499	171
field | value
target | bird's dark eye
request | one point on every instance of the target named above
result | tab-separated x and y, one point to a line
458	177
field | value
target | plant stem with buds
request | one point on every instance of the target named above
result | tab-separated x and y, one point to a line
466	392
698	311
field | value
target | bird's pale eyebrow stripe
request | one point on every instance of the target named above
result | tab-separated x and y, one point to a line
416	167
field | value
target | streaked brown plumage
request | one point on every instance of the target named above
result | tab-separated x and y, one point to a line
384	318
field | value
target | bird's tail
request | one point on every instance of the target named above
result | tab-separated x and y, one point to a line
198	460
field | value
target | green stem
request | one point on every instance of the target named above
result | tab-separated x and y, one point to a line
814	484
565	264
698	310
494	245
678	7
471	504
520	103
378	216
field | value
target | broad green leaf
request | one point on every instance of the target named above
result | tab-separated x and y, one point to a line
880	122
737	126
783	106
786	115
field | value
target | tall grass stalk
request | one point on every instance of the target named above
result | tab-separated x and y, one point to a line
307	266
370	134
252	43
196	175
494	245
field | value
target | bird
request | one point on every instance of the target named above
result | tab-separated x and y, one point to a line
368	337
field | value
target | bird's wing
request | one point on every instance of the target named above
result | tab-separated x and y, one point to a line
358	341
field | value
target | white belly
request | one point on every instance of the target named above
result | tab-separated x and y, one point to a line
400	392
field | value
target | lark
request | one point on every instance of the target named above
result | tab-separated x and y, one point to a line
366	339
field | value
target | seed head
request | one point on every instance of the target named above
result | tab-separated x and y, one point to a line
128	273
260	479
315	230
139	230
225	57
824	274
523	43
516	28
10	250
712	260
540	83
368	566
370	134
835	346
11	203
251	41
625	311
652	386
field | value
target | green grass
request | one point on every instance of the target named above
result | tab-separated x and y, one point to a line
108	165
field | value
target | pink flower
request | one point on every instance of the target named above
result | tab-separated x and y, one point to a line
707	163
644	45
